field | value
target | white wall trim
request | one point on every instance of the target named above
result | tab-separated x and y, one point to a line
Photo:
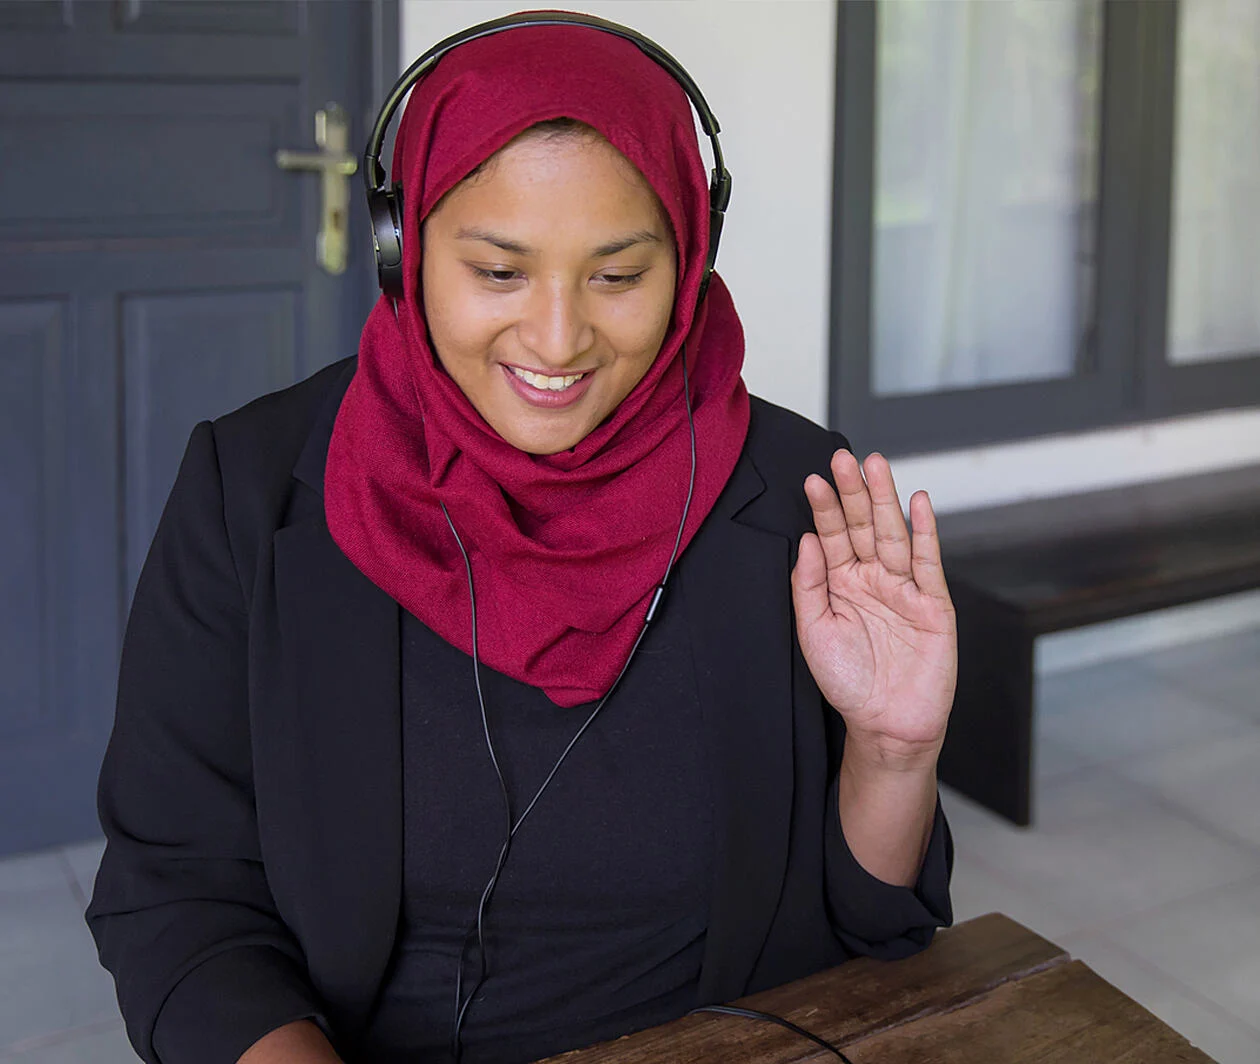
1061	465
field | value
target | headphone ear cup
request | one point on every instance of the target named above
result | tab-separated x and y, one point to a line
715	234
386	208
719	197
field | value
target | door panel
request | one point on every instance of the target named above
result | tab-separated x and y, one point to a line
156	268
46	15
32	349
119	38
147	160
247	17
190	357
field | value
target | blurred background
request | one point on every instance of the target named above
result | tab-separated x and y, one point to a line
1013	244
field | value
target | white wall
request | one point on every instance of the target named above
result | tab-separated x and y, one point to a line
766	68
1057	465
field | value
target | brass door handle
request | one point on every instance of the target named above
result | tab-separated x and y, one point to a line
336	165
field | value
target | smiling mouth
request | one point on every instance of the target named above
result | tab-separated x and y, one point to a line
545	383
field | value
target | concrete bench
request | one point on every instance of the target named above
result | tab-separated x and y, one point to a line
1029	568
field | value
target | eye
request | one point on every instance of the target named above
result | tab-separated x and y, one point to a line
495	277
620	280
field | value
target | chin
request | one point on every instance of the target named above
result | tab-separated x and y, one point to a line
540	443
546	447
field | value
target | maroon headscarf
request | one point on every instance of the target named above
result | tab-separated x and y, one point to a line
566	549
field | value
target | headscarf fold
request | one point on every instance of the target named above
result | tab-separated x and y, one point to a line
566	549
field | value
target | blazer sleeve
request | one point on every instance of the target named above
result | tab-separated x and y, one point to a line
877	919
181	912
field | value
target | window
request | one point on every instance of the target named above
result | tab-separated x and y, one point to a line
985	192
1214	299
1018	246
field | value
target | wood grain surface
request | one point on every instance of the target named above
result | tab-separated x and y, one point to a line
1064	1014
853	1004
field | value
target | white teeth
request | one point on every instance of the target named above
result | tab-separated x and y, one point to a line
549	384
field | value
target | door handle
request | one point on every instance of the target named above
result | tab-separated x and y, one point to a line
336	165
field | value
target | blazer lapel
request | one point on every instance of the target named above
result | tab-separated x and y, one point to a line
338	742
738	573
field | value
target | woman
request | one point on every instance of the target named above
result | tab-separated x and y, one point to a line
318	765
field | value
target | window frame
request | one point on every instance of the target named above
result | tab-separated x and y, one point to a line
1124	377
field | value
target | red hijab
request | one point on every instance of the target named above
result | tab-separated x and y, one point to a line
566	549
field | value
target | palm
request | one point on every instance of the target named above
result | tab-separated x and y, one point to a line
873	612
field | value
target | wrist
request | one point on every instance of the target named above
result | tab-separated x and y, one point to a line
299	1042
887	806
881	755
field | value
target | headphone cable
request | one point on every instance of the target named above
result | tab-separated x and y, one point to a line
462	1002
755	1014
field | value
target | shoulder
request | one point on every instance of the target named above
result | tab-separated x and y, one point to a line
269	433
251	461
785	446
261	446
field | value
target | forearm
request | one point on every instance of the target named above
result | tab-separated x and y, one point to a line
887	809
300	1042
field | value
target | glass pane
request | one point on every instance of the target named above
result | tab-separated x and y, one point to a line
1214	287
985	192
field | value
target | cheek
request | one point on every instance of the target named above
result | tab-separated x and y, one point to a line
642	330
436	301
458	326
643	314
647	324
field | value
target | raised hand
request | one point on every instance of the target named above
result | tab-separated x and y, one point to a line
873	612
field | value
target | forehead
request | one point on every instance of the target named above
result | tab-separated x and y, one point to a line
544	178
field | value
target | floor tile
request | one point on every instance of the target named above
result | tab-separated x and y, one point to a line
1220	1035
1052	759
1226	670
100	1044
1082	794
1216	783
1117	710
1100	848
1210	942
1064	688
32	873
84	858
50	978
976	889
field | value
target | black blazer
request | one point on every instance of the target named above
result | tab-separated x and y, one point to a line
252	792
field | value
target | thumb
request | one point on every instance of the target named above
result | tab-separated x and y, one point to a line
809	582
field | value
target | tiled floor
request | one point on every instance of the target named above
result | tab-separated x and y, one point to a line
1144	862
1145	858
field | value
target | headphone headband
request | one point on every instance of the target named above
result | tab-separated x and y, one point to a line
385	204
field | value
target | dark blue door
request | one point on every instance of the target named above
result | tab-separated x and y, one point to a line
156	267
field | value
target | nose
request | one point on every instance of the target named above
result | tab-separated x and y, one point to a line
555	327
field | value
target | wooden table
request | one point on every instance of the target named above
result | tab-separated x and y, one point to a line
988	991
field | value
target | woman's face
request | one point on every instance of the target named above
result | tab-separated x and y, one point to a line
548	283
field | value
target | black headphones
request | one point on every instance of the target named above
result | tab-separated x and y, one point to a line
385	204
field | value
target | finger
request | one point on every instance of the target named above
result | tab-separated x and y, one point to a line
928	572
829	522
856	500
892	538
809	582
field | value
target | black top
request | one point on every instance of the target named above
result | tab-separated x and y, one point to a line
597	923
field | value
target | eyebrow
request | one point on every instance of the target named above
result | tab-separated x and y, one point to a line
643	236
513	247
